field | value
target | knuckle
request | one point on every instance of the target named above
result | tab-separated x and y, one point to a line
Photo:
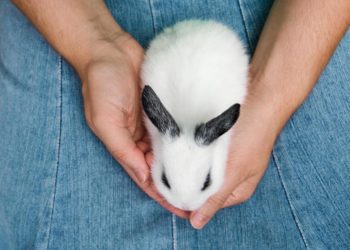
216	200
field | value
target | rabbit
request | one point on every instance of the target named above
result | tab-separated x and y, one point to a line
194	79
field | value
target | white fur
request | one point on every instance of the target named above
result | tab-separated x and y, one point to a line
198	69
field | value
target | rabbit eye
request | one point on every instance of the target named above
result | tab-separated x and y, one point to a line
165	181
207	182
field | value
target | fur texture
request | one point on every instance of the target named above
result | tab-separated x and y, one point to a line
198	70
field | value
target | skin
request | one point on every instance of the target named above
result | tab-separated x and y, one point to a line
108	61
297	41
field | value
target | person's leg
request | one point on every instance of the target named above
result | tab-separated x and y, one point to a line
59	187
266	221
312	155
29	120
97	206
302	200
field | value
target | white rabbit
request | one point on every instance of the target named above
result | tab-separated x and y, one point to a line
195	78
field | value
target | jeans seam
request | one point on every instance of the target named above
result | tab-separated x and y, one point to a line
294	215
151	8
245	26
174	231
322	185
59	76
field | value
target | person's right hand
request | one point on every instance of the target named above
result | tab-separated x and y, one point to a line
111	91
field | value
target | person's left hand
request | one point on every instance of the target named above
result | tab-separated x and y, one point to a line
251	146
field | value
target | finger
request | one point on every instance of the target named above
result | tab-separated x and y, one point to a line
215	202
201	217
146	138
243	192
129	147
143	146
150	190
121	145
140	129
149	158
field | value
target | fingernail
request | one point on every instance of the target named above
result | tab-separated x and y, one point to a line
198	221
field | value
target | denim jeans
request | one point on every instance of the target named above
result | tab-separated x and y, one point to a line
61	189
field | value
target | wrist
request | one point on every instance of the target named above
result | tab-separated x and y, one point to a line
270	103
103	49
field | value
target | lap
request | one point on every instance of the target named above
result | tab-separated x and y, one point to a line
313	157
60	188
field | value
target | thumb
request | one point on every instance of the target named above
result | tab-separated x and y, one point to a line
215	202
123	148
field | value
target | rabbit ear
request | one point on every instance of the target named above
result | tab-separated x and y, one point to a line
208	132
157	113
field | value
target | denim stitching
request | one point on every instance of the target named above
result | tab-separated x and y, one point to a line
174	231
245	26
321	182
151	8
295	217
274	157
59	76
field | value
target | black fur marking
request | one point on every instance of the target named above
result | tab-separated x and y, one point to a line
165	180
208	132
158	114
207	182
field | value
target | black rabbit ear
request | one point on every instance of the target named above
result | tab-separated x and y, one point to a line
157	113
208	132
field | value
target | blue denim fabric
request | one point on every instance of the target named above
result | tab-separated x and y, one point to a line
60	188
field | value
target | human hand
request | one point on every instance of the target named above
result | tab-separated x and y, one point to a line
250	149
295	45
287	62
111	92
